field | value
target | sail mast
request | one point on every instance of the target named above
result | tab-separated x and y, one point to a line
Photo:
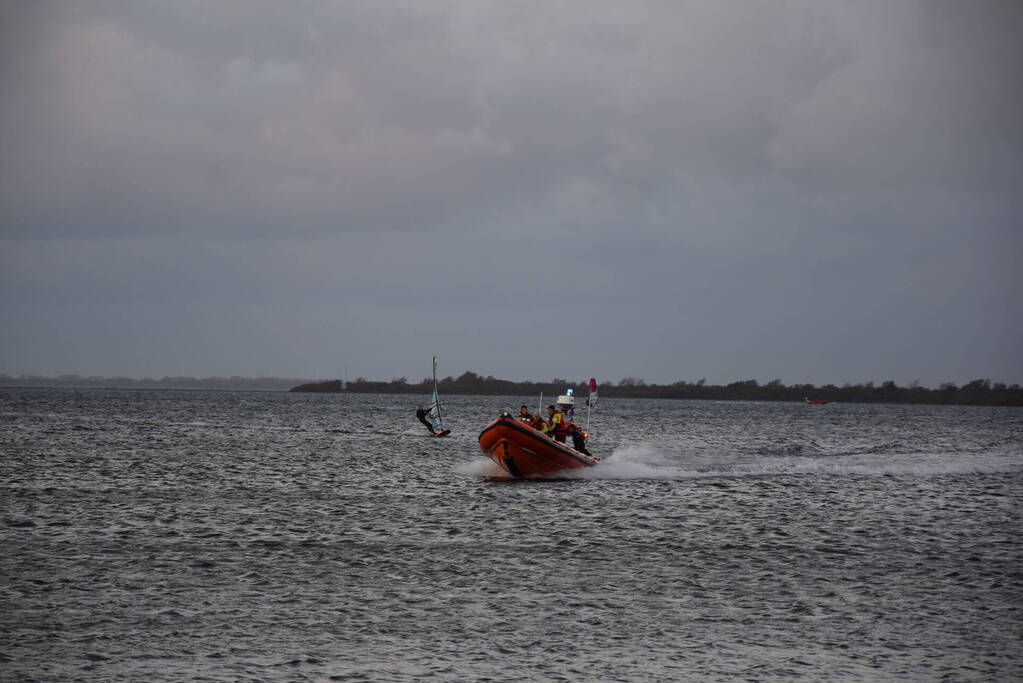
436	395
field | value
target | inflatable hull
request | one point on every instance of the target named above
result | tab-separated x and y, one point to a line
523	452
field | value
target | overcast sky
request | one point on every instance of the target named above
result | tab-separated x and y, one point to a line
809	190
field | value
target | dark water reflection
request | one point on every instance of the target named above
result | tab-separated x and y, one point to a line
266	536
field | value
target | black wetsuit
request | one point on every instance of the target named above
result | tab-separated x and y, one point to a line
421	413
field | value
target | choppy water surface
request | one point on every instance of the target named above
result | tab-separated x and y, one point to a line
266	536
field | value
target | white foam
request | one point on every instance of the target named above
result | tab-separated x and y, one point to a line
643	460
646	461
480	467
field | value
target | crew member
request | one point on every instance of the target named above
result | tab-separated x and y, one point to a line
561	424
421	414
578	438
524	415
554	425
553	418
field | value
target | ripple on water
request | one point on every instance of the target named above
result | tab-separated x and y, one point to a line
221	535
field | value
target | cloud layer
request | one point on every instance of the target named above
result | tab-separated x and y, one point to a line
814	191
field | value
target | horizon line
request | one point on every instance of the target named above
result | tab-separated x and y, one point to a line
629	381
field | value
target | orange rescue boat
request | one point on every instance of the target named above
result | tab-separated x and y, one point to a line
524	452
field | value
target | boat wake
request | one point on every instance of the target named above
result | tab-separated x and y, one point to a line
648	461
643	461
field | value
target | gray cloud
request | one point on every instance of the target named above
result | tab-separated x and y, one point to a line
815	191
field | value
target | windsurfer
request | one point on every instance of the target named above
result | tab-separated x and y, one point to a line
421	413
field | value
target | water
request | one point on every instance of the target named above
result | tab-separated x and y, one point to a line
225	536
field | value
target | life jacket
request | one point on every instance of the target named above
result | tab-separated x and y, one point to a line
550	426
561	424
524	417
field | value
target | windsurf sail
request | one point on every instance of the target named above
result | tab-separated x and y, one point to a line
435	415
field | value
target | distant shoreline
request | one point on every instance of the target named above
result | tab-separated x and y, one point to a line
977	392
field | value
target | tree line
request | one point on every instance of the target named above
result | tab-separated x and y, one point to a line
976	392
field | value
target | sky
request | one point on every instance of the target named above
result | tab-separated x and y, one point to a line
815	191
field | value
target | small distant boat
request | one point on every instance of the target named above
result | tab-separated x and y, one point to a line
524	452
816	402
